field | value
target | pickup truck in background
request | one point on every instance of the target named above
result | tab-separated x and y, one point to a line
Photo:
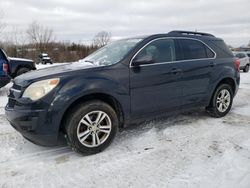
18	66
4	67
44	58
11	67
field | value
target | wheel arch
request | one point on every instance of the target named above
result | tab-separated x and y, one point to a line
111	100
21	66
227	80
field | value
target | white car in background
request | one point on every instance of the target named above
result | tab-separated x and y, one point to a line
244	60
248	54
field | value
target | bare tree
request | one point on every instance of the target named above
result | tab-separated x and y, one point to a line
102	38
18	39
18	36
2	24
40	35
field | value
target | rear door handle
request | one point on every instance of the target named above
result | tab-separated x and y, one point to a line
175	71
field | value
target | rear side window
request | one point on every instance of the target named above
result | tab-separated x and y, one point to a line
162	50
222	50
193	49
248	54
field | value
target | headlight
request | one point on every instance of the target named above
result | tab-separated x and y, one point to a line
39	89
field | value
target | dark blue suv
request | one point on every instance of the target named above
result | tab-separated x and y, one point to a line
125	82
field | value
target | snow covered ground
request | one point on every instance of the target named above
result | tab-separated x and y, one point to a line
190	150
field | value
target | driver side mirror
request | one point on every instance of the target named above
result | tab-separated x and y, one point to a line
147	59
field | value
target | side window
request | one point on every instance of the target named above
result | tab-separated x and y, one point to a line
192	49
162	50
1	55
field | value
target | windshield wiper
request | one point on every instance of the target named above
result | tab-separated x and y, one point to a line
89	61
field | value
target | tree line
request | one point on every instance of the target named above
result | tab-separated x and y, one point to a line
39	39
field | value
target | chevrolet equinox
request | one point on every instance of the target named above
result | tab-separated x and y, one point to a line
124	82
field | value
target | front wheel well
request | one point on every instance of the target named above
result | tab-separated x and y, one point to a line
97	96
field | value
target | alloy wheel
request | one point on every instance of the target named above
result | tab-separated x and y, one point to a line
94	128
223	100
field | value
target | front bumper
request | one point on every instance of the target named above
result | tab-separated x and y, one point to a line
32	124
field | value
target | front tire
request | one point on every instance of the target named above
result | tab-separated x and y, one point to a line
91	127
221	102
246	69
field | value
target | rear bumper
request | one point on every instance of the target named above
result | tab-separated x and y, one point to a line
33	126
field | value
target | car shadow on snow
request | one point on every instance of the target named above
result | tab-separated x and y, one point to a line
62	153
125	134
4	91
168	121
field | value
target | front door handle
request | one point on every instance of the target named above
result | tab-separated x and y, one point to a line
212	64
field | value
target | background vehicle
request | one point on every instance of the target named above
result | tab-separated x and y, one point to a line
11	67
248	54
125	82
4	67
44	58
18	66
244	60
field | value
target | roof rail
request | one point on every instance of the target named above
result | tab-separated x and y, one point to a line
190	33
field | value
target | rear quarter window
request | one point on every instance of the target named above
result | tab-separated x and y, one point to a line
221	49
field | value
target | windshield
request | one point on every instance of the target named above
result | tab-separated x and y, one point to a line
111	53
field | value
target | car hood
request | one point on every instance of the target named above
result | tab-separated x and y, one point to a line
51	72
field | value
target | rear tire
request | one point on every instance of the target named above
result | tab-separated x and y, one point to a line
246	69
91	127
221	102
22	71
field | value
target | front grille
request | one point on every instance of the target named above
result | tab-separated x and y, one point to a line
11	103
17	87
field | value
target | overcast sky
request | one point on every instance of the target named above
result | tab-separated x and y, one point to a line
80	20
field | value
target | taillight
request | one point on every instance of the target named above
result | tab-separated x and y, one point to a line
5	67
237	64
